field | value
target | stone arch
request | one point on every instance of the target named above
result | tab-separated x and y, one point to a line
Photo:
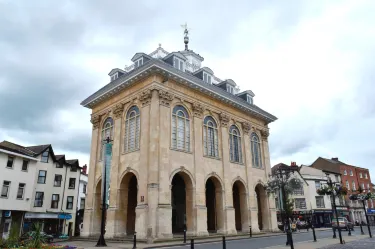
182	169
182	201
183	104
240	204
214	203
127	203
130	105
216	176
262	206
239	178
128	170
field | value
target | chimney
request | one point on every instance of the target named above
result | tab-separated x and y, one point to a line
84	169
293	164
335	159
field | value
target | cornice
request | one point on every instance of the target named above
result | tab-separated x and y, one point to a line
95	120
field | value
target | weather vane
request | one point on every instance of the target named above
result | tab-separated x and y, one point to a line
186	33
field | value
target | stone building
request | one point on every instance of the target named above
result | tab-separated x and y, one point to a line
189	150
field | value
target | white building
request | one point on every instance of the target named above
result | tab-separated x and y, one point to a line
81	200
38	186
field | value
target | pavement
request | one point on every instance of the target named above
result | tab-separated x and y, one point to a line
302	240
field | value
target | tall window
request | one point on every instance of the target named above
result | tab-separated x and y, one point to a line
42	176
38	202
82	204
337	178
363	186
179	64
57	181
107	131
72	183
300	203
21	190
73	169
210	137
317	185
180	129
368	187
353	185
345	172
25	164
277	204
255	151
235	144
84	188
59	164
132	127
206	78
45	156
10	162
319	201
347	184
5	189
69	202
351	172
360	175
55	201
366	175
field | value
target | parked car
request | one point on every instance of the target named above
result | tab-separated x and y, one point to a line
343	224
30	235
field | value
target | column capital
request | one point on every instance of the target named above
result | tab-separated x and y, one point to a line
265	133
117	110
165	98
95	120
224	119
145	97
198	110
246	126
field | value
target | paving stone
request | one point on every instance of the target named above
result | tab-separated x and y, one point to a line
357	244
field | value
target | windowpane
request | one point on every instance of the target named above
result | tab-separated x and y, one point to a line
57	181
69	203
20	191
55	201
235	144
45	156
82	204
10	162
300	203
107	131
72	183
5	189
319	201
256	151
180	129
25	164
38	202
42	176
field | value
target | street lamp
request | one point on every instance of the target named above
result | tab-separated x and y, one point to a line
363	197
107	152
333	197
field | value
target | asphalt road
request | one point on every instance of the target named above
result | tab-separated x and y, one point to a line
262	242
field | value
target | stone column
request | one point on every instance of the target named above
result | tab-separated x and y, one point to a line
89	207
199	193
254	211
246	127
114	214
164	212
153	165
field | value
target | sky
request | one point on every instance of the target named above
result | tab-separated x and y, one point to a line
310	63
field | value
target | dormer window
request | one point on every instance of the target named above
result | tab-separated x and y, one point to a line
230	89
179	64
138	63
114	77
249	99
206	78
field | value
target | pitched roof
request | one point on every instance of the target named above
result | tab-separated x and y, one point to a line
38	149
6	145
58	157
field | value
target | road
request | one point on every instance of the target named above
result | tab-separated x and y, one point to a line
262	242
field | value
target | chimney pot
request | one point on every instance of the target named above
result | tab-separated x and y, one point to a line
84	169
335	159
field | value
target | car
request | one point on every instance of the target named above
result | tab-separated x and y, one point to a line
29	235
343	224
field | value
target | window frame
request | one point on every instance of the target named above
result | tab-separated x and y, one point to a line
41	200
6	184
23	190
230	89
84	188
321	199
207	78
249	99
320	184
354	186
180	64
39	176
178	133
55	201
70	179
54	180
351	172
136	133
138	62
73	169
235	134
114	76
23	164
68	202
300	199
210	144
110	123
345	172
366	176
255	143
84	203
360	175
44	158
12	160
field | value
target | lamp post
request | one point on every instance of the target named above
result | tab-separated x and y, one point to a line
333	196
101	241
367	221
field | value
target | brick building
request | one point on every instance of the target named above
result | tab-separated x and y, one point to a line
353	178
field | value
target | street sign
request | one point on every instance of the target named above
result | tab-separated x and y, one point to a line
65	216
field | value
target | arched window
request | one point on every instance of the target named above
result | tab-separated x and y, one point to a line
235	144
347	184
107	131
180	129
132	124
210	137
353	185
255	151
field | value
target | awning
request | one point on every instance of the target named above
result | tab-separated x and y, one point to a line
30	215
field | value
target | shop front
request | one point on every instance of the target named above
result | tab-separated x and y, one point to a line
322	217
52	223
371	216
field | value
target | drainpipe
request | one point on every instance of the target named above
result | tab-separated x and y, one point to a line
63	195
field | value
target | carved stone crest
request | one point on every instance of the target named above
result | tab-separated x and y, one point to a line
95	120
165	98
145	97
265	133
117	110
224	119
246	127
198	110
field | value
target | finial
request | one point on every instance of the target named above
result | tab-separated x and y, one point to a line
186	37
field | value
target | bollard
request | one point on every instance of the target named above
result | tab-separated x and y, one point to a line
192	243
349	232
361	229
251	232
224	244
135	240
184	236
334	233
313	229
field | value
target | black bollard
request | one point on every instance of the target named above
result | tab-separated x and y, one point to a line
361	229
349	232
184	235
135	240
224	244
334	233
251	232
192	243
313	229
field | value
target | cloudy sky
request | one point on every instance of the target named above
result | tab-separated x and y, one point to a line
310	63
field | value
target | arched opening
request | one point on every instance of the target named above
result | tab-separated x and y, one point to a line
182	203
261	199
97	208
128	203
214	205
240	206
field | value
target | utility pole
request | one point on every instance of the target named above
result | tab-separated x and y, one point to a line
333	195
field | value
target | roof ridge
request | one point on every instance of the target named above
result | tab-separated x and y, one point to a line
23	147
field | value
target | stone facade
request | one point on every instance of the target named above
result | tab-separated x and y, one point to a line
142	179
